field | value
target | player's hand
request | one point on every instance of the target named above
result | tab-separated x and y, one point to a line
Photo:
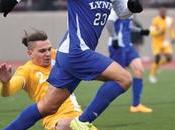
135	6
5	72
115	43
145	32
6	6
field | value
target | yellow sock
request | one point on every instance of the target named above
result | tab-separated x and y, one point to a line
154	68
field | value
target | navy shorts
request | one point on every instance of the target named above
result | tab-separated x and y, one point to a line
70	69
123	56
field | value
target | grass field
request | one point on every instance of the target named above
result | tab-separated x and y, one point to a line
161	97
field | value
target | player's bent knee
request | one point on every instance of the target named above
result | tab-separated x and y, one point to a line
169	58
138	72
51	102
47	109
157	59
126	82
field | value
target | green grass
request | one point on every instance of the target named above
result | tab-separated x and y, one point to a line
160	97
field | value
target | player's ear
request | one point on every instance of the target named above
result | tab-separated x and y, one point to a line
29	53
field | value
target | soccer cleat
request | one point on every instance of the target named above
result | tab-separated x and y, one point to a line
93	127
140	108
152	79
76	124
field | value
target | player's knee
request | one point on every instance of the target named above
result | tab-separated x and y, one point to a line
138	72
53	109
47	108
168	58
157	59
126	82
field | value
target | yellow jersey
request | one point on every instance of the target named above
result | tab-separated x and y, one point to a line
32	79
162	33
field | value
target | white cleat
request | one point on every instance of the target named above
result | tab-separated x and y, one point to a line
152	79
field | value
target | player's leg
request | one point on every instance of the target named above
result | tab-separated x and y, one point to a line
154	68
137	86
118	74
52	100
50	103
157	51
168	52
109	91
117	82
168	57
62	118
33	113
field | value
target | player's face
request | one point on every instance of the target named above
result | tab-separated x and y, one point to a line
41	53
162	12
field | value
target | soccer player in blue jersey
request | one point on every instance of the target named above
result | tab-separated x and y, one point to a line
76	60
122	51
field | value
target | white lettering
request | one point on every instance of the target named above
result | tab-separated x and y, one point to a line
100	5
92	5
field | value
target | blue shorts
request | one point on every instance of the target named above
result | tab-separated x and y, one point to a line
70	69
123	56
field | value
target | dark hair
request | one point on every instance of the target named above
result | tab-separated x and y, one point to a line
36	36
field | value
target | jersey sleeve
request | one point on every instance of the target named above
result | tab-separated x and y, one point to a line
172	32
16	83
113	16
155	28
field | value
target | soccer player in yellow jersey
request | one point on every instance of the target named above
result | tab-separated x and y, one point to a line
32	76
162	32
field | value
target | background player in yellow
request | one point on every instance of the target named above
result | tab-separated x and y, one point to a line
31	77
162	33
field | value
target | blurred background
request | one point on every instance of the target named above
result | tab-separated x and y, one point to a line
50	16
45	5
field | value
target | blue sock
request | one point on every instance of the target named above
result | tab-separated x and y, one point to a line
105	95
26	119
137	91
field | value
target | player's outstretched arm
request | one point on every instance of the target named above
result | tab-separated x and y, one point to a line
143	32
112	33
5	72
10	85
7	5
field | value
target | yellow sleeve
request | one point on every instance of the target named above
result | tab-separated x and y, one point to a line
172	32
13	86
16	83
155	30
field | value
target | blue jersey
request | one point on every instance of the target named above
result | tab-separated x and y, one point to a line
122	28
86	20
76	59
